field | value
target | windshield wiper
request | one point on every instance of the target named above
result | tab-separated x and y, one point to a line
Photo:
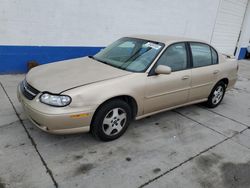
92	57
106	63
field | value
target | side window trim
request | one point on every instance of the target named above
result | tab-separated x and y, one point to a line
152	73
217	56
212	61
191	55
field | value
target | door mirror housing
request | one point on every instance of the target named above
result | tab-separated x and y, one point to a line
163	69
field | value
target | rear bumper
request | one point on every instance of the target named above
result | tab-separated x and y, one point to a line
231	83
56	123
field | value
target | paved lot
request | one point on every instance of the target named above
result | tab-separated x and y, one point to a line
187	147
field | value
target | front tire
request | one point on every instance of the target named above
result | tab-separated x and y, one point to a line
111	120
216	95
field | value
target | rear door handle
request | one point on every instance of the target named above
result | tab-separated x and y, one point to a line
185	77
216	71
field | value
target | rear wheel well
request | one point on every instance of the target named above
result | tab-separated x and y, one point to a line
128	99
224	80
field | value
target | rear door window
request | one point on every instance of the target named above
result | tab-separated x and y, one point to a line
201	54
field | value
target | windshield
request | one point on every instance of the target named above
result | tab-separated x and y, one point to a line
130	54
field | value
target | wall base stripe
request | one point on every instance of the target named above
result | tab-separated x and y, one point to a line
14	59
242	54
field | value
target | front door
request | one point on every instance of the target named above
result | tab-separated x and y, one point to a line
168	90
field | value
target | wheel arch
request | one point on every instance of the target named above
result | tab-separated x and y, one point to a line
131	101
225	80
208	103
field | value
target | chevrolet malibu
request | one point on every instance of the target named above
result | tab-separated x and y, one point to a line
132	78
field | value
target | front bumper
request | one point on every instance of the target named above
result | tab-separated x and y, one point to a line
65	120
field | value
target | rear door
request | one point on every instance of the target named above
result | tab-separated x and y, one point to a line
204	70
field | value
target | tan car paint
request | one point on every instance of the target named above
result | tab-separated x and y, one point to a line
94	83
202	81
164	91
59	76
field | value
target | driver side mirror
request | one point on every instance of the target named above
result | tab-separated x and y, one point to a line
163	69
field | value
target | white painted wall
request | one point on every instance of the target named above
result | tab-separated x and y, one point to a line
98	22
228	24
245	34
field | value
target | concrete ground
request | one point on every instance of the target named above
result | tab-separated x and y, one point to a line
187	147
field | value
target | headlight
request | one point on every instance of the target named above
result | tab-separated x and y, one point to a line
55	100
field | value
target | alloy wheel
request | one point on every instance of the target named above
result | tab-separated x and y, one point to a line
217	95
114	121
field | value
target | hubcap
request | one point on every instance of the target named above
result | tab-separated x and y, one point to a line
114	121
217	95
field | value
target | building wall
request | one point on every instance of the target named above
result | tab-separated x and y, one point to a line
244	41
47	31
228	25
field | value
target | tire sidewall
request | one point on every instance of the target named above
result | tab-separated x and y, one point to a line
209	102
101	114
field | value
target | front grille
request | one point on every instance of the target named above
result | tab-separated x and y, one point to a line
28	91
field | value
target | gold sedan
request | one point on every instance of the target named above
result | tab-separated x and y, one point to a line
132	78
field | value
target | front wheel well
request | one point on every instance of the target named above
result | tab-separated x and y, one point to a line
128	99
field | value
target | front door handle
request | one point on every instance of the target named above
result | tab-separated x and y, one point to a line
216	71
185	77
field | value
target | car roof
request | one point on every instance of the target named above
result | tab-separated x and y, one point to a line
165	38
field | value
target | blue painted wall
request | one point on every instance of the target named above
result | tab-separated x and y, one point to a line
243	53
14	59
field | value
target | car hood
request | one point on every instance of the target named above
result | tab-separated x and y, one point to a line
64	75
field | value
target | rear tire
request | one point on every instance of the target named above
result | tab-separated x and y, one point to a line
111	120
216	95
